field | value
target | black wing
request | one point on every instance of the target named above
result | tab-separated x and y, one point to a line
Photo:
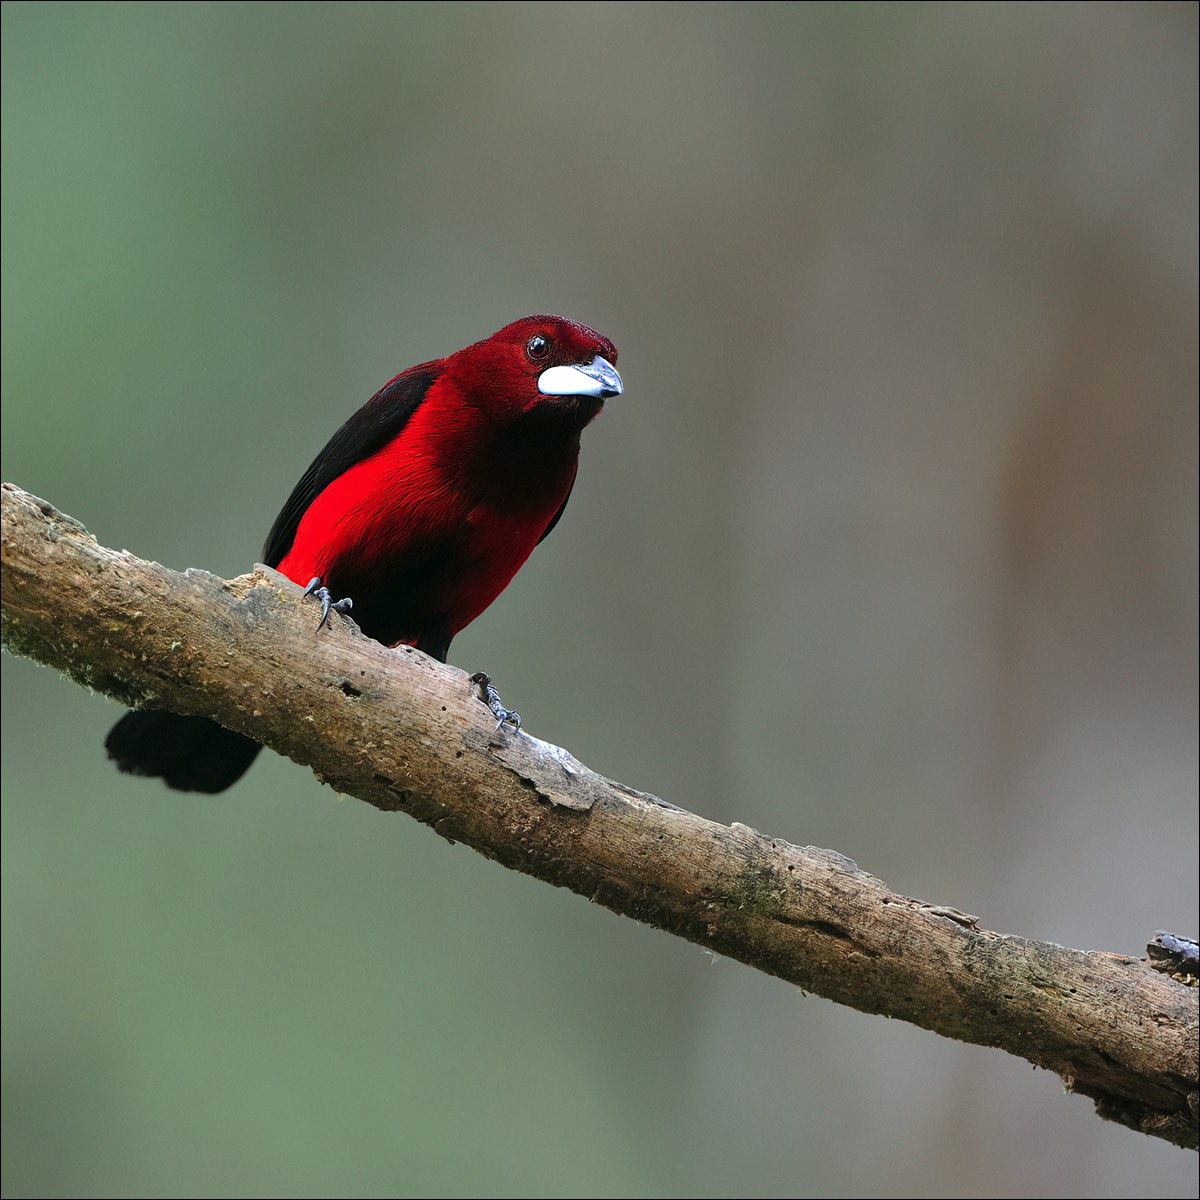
378	422
555	519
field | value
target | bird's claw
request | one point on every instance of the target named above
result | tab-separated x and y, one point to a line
485	690
328	603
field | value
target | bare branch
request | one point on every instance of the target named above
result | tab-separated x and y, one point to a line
405	733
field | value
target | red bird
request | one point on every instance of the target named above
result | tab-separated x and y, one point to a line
419	511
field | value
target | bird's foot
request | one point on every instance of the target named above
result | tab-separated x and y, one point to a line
485	690
328	603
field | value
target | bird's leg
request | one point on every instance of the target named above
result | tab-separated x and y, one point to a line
486	691
328	603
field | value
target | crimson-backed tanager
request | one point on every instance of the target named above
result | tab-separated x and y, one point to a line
419	511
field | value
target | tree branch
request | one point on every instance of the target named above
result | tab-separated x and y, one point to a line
405	733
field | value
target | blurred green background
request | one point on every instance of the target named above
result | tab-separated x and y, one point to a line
890	546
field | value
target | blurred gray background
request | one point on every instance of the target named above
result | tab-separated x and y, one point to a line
890	546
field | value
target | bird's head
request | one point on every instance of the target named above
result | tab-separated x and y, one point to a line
543	364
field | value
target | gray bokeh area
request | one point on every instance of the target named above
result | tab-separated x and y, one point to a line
890	546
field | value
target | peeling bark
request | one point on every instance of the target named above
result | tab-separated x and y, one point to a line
405	733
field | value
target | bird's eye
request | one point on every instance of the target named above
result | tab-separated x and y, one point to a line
537	346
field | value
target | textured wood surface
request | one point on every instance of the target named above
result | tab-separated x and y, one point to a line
405	733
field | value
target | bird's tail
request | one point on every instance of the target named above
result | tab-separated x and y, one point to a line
190	754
